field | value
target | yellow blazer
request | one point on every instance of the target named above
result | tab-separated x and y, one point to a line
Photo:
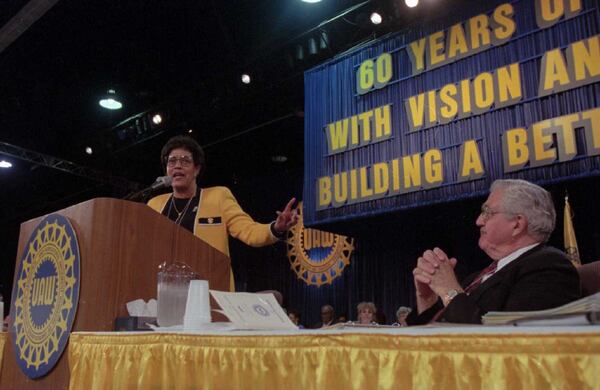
219	215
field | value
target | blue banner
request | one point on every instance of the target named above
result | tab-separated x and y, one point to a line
436	113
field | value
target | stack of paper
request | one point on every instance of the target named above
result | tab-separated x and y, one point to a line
581	312
252	311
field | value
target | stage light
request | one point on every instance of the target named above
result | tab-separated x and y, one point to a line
376	18
411	3
110	101
190	131
311	1
5	164
246	78
312	46
157	119
323	40
89	150
299	52
140	126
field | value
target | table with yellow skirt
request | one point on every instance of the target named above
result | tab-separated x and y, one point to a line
465	357
3	338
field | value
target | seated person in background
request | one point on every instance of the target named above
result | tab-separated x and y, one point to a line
294	316
590	278
515	222
342	319
401	315
366	313
327	317
276	294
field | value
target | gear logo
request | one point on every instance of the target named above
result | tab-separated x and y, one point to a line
260	310
45	296
317	257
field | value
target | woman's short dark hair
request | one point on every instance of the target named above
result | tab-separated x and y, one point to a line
187	143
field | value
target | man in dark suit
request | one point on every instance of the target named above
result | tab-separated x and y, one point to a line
515	222
327	317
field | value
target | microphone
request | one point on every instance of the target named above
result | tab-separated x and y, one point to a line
161	182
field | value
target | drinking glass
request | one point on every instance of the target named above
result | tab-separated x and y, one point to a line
173	284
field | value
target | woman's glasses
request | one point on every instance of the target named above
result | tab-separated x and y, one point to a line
185	161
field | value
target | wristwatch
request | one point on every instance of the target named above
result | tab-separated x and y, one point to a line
450	296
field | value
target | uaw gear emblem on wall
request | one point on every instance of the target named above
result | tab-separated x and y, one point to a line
45	296
317	257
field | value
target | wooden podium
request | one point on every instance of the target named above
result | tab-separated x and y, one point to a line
121	244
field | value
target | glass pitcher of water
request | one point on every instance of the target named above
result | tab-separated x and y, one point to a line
173	284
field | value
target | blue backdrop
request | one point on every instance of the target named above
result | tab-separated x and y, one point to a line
331	95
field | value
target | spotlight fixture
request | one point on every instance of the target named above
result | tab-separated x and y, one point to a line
323	40
312	46
88	150
110	101
299	52
246	78
190	131
5	164
376	18
157	119
411	3
311	1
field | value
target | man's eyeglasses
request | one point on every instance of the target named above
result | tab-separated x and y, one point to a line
487	212
185	161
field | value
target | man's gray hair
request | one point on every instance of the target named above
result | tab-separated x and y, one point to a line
530	200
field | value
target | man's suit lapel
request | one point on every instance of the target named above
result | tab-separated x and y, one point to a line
500	275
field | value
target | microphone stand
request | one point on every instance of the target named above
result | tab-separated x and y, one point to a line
140	196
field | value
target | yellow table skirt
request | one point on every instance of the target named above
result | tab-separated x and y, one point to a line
336	361
3	338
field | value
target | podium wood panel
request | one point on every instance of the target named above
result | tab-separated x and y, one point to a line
121	244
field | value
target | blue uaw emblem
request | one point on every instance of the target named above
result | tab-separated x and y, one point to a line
317	257
45	295
260	310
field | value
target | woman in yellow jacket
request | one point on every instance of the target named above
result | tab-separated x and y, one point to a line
211	213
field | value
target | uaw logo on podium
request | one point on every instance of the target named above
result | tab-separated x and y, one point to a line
45	296
317	257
